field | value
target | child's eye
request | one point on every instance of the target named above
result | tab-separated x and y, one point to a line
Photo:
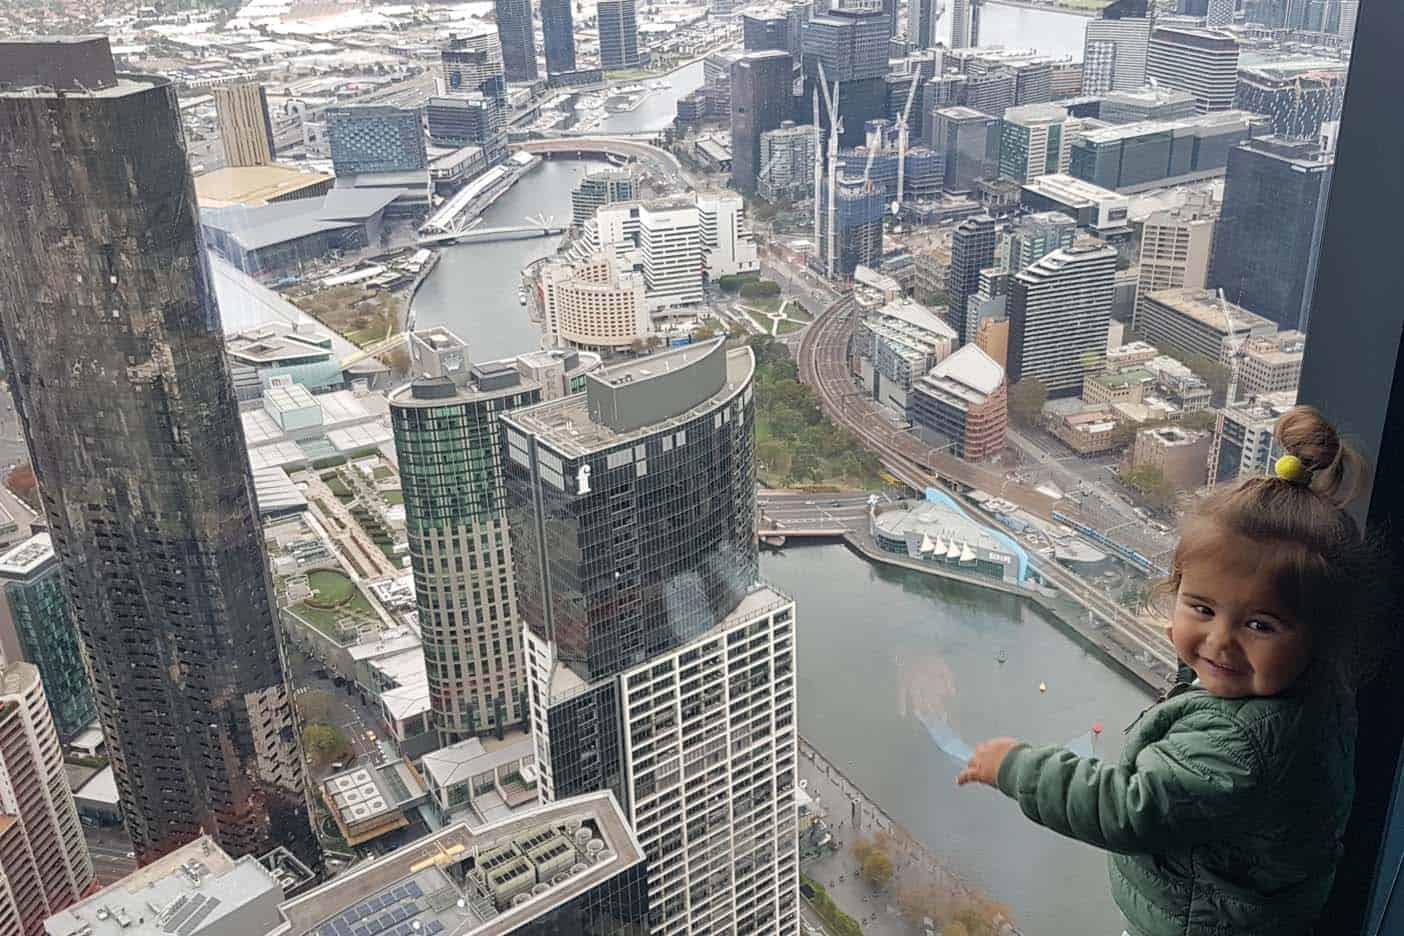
1263	627
1201	609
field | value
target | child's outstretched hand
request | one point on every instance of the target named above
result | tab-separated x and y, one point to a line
983	766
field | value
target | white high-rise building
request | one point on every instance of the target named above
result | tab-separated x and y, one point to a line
1059	313
1203	62
728	247
787	164
965	24
1114	55
593	304
670	241
1175	248
44	863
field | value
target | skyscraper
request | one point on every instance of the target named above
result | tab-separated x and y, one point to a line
515	33
1114	54
375	138
44	863
1269	235
619	34
852	47
1175	248
859	208
473	62
445	424
760	101
558	36
972	250
787	156
632	508
1203	62
969	140
1033	142
965	24
162	553
36	627
245	128
765	28
923	19
1059	312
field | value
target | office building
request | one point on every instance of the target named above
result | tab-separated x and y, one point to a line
992	93
569	867
852	47
760	101
858	212
1180	455
965	23
963	401
1154	154
170	512
1098	210
1064	80
940	91
716	80
516	35
196	890
1203	62
445	425
1297	98
594	305
1191	322
1114	53
632	509
972	250
619	34
1272	365
787	164
473	62
728	248
1146	103
923	22
245	128
1269	234
1032	142
894	347
1059	312
36	627
1244	446
375	138
466	120
598	188
764	29
969	141
44	864
1176	244
1035	236
558	36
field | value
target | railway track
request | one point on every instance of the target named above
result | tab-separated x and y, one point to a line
822	366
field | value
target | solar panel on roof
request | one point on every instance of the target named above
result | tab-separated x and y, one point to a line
435	927
414	889
361	931
199	915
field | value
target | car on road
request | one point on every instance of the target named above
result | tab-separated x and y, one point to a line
131	854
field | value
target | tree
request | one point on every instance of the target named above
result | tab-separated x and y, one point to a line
24	485
703	332
1151	484
877	869
955	928
325	743
1026	399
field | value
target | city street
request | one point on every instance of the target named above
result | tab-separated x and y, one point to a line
12	447
805	511
358	722
110	850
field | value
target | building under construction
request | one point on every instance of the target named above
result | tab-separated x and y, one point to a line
858	211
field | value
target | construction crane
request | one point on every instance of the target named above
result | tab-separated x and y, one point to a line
818	174
902	143
831	102
1234	342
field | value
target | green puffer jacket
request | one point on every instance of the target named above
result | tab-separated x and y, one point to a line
1224	816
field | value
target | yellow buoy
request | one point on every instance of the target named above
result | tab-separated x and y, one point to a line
1043	687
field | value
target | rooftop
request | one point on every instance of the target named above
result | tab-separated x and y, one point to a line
458	762
28	556
253	185
1070	190
968	376
549	854
195	889
914	313
274	342
1215	121
1202	305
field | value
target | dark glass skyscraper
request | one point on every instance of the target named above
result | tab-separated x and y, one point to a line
972	250
116	362
1269	232
761	99
558	36
619	34
852	47
515	31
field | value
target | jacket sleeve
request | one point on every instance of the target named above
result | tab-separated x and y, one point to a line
1186	788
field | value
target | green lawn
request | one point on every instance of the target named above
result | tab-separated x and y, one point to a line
331	587
381	472
339	488
393	497
787	327
796	311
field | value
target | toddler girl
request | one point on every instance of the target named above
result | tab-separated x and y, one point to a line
1225	813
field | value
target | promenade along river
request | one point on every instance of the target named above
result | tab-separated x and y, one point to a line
877	645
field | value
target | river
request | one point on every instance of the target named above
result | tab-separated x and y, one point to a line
1049	31
858	620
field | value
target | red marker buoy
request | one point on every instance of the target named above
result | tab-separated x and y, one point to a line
1096	727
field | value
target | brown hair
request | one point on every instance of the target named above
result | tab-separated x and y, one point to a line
1321	564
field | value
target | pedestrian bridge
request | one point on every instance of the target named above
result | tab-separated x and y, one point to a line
484	235
662	161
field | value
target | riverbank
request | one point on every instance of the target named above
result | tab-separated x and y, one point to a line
1086	12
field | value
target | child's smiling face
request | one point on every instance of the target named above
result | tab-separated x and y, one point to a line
1230	627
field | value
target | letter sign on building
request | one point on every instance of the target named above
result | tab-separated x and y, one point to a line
582	480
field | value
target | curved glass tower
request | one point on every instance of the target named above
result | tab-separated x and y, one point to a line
116	362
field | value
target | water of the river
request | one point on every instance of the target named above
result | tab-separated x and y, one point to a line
859	621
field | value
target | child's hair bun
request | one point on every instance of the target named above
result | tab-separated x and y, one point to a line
1336	468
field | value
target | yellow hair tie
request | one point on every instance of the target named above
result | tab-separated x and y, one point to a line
1293	469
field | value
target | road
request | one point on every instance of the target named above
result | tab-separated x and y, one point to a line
361	723
13	451
109	848
786	510
822	366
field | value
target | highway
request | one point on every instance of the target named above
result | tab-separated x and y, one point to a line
822	366
802	511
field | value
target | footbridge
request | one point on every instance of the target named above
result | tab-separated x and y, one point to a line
482	235
660	160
